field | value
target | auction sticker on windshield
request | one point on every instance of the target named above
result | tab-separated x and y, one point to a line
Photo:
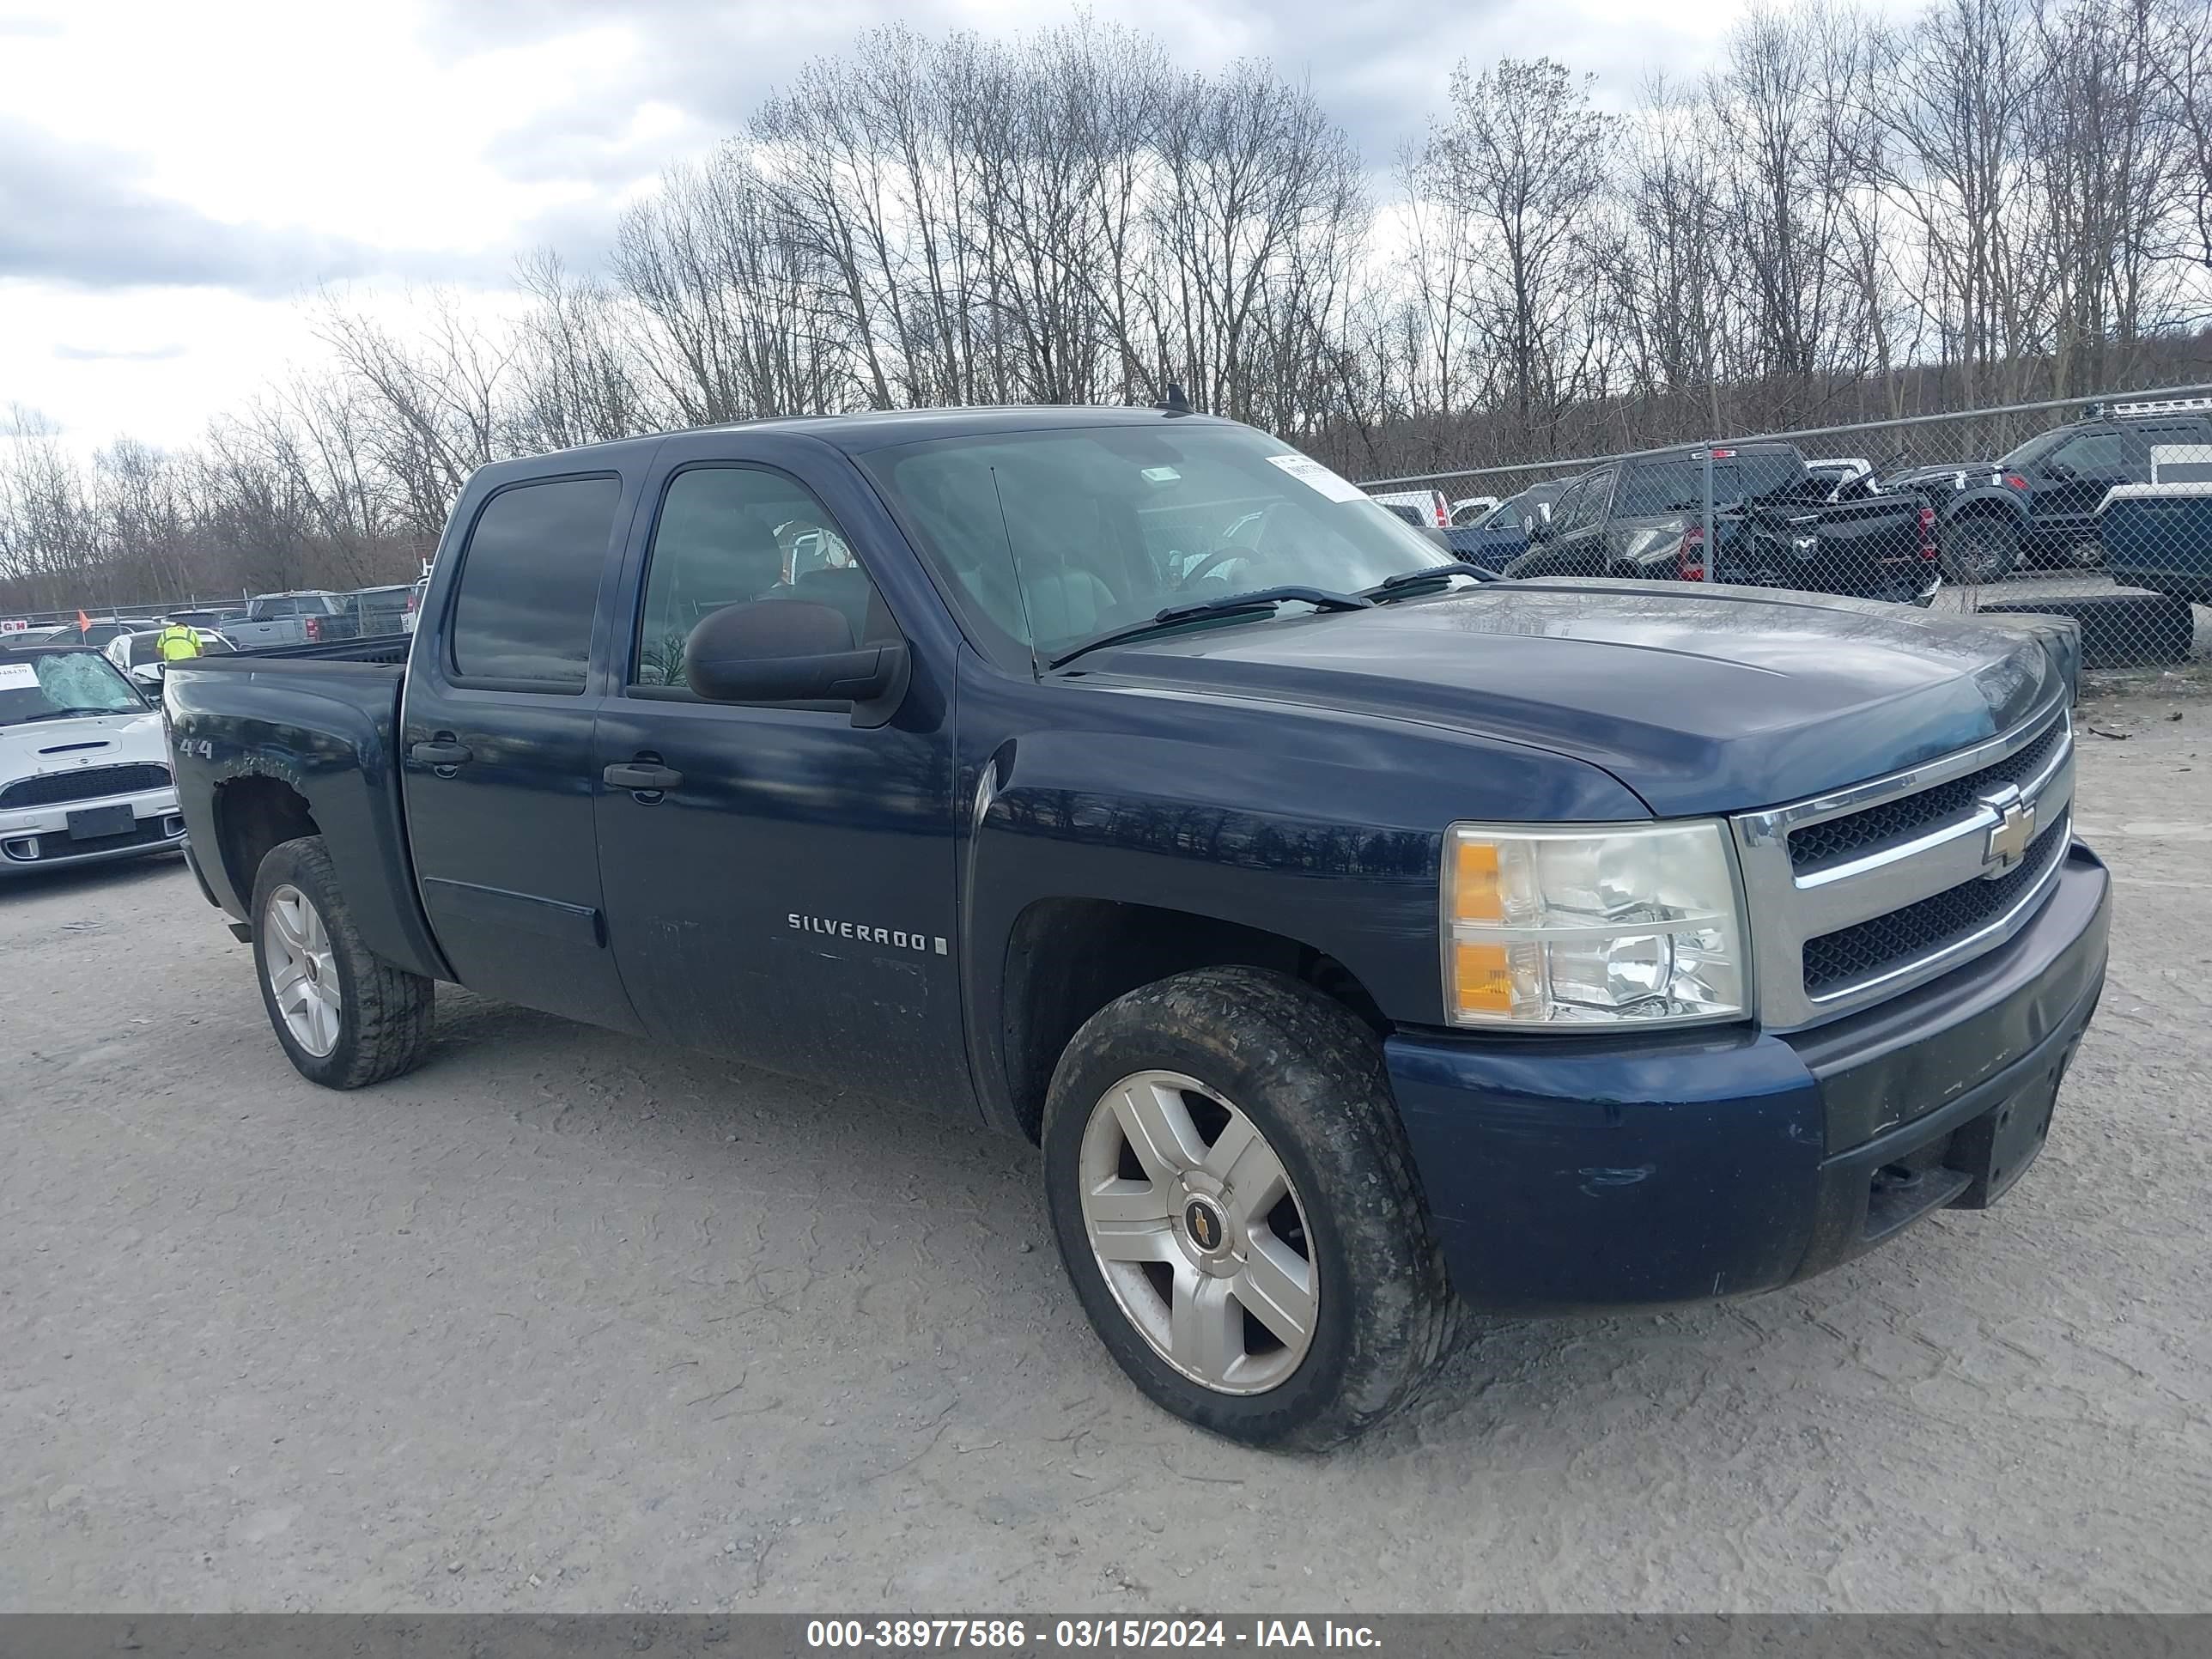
1312	473
17	677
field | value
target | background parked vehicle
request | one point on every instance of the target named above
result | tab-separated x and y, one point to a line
1835	471
84	772
379	611
1471	509
139	655
2158	536
413	613
1645	518
1501	535
216	619
1424	510
96	637
2038	502
298	618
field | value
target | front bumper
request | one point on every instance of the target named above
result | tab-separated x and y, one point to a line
1577	1175
37	838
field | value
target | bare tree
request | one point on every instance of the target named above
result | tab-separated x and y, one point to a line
1520	162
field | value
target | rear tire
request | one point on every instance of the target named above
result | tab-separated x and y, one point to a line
1322	1306
1980	550
345	1017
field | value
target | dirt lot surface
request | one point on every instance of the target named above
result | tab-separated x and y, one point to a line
560	1322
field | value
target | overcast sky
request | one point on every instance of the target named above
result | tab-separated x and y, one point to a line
174	176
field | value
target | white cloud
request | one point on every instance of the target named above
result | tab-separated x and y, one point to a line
186	174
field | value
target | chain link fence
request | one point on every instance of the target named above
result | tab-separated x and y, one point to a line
2097	508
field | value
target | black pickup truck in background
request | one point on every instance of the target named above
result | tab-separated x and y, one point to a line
1358	937
1775	525
2037	503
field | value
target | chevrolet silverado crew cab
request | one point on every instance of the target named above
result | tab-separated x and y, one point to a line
1362	937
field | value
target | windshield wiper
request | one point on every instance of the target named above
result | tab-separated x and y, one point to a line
1412	584
67	713
1258	601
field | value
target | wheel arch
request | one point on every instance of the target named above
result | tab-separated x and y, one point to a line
1989	506
1067	957
254	813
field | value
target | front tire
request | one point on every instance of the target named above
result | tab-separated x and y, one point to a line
345	1017
1232	1195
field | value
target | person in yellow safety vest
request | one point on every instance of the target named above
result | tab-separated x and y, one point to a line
176	642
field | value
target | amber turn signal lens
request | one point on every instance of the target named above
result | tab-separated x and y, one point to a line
1477	892
1481	981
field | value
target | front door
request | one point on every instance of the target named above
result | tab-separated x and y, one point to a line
781	890
1585	535
496	748
2070	484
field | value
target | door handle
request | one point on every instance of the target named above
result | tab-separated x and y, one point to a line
442	752
642	777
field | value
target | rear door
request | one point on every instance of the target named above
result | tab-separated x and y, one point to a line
786	896
496	752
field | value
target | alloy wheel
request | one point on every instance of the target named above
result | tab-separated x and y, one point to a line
302	970
1200	1235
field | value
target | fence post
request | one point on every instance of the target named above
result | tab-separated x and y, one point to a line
1712	547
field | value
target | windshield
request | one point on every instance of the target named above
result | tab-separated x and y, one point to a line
2033	450
1046	539
48	687
1678	484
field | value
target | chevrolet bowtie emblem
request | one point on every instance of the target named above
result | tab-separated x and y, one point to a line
2008	837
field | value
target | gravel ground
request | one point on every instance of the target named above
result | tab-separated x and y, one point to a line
560	1323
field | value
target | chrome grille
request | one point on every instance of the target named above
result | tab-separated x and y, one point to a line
1872	948
1855	895
1818	846
85	783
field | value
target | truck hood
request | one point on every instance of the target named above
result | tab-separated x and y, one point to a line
1717	700
41	746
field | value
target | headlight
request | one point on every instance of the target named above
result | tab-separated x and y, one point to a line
1636	925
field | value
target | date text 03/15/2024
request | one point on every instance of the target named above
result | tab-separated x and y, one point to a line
1003	1634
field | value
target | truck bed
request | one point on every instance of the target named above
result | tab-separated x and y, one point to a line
388	649
315	724
1854	547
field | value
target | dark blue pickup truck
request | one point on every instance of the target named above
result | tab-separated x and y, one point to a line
1361	939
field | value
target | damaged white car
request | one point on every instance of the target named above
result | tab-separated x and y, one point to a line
84	771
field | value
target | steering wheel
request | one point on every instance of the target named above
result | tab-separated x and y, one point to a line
1207	565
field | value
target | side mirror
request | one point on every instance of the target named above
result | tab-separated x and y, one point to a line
794	651
1539	529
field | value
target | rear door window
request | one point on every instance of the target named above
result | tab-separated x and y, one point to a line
529	586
